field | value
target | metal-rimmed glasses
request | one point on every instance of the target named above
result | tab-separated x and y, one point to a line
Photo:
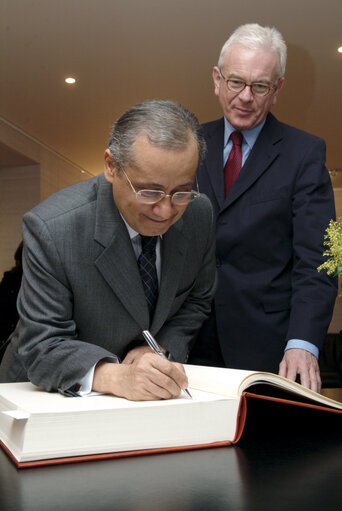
257	88
154	196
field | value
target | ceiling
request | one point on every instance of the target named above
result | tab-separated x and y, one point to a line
126	51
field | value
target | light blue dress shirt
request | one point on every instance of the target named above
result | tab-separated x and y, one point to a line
249	139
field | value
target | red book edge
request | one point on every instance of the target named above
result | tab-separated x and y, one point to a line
111	455
291	402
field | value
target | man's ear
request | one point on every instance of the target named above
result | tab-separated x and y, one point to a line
278	89
216	79
109	166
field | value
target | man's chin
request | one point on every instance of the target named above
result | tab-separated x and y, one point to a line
157	228
156	232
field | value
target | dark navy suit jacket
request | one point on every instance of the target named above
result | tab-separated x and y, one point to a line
269	234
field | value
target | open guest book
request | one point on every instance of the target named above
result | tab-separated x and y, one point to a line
40	428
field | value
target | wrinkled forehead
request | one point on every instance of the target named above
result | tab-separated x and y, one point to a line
243	61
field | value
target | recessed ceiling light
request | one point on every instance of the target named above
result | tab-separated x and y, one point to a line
70	80
339	49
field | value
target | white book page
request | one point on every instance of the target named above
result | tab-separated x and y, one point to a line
17	414
20	400
217	380
232	382
285	383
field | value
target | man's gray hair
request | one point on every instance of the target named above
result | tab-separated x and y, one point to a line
166	124
256	37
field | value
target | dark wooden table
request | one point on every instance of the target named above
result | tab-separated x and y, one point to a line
286	472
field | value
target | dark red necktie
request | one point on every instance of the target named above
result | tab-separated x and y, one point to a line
233	165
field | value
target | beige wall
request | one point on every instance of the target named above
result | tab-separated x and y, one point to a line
56	171
336	322
23	187
19	192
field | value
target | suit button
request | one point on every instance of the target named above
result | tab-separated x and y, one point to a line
218	262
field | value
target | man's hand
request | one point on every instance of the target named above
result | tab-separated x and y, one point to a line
149	377
134	354
298	361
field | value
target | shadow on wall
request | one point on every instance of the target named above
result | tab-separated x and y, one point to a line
9	289
330	361
298	90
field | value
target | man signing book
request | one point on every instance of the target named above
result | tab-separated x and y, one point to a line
129	250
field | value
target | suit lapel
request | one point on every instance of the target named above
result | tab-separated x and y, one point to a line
264	152
173	257
117	262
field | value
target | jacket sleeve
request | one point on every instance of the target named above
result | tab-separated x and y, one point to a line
47	322
313	292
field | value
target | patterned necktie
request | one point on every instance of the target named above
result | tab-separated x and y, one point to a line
233	165
148	272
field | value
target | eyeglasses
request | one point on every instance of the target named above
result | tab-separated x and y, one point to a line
154	196
257	89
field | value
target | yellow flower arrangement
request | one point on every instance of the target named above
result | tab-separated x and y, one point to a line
333	242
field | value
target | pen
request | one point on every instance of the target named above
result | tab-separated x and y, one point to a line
155	347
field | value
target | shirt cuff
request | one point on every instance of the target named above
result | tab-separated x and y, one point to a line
86	383
302	345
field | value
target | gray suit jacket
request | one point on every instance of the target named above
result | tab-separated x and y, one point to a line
82	298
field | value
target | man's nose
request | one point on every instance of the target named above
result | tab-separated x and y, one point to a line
164	207
246	94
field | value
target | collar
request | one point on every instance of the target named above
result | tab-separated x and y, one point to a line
249	136
132	233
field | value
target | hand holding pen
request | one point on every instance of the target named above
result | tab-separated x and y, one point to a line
155	347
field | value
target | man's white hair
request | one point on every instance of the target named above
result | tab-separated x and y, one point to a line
256	37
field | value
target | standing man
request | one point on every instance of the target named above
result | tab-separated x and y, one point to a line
272	199
107	258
